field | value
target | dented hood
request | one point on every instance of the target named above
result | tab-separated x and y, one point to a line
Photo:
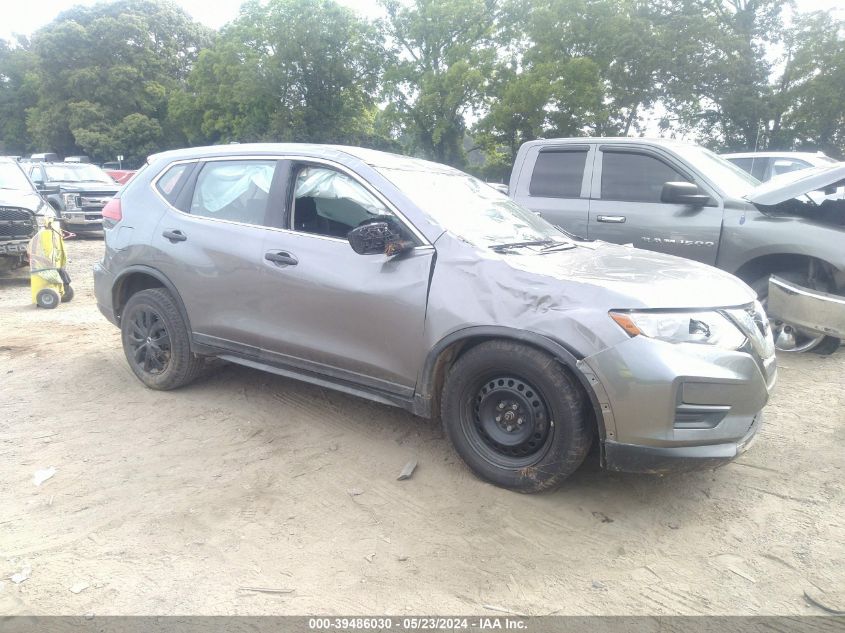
630	278
797	183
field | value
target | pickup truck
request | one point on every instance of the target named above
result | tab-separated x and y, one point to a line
77	191
21	210
785	238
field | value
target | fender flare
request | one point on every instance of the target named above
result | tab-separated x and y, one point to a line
565	356
165	282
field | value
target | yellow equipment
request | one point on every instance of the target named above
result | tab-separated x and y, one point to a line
49	280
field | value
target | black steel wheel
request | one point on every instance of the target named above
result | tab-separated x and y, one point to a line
510	422
156	342
516	416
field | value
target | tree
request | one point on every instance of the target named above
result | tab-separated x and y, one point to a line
105	74
720	80
287	70
442	55
17	93
813	102
575	67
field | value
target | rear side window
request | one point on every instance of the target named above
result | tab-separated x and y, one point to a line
630	177
558	174
235	190
754	166
786	165
170	183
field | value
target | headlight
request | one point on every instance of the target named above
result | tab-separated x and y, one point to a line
71	201
708	328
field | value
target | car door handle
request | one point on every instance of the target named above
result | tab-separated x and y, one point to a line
282	258
612	219
175	235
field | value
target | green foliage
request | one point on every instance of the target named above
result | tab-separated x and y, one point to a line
18	91
287	70
105	74
464	82
442	53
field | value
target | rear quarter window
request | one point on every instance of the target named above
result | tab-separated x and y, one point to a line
171	181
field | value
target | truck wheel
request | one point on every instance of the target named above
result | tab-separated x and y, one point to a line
156	341
68	294
47	298
789	338
515	416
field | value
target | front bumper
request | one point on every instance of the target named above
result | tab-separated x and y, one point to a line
670	407
87	220
14	247
806	308
658	460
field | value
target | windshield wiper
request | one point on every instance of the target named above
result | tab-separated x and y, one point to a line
558	246
499	248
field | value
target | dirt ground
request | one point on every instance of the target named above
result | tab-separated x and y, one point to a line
176	503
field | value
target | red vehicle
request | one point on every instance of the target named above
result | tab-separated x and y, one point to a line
121	176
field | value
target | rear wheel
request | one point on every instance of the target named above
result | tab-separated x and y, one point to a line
515	416
156	342
789	338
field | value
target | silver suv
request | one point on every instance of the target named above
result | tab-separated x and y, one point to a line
418	286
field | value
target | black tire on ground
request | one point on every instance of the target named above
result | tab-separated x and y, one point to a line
156	341
68	295
487	381
47	298
828	344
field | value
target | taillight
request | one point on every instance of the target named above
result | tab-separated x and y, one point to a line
112	210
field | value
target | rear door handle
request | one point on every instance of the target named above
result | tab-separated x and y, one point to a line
612	219
281	258
175	235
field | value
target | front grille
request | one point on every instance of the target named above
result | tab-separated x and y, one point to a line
94	200
17	223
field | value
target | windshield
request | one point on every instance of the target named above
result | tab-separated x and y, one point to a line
12	177
471	209
77	173
734	181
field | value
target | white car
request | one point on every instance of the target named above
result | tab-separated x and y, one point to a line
767	165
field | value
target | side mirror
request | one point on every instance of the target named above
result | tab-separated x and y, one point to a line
683	193
47	190
378	237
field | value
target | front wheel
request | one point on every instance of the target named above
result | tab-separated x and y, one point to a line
155	341
787	337
516	416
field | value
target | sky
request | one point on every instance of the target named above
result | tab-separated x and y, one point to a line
19	17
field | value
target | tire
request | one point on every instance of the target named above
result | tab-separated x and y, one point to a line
47	298
68	295
496	378
805	341
156	341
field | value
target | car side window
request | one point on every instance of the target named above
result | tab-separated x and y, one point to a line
558	173
234	190
169	183
36	176
631	177
330	203
786	165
